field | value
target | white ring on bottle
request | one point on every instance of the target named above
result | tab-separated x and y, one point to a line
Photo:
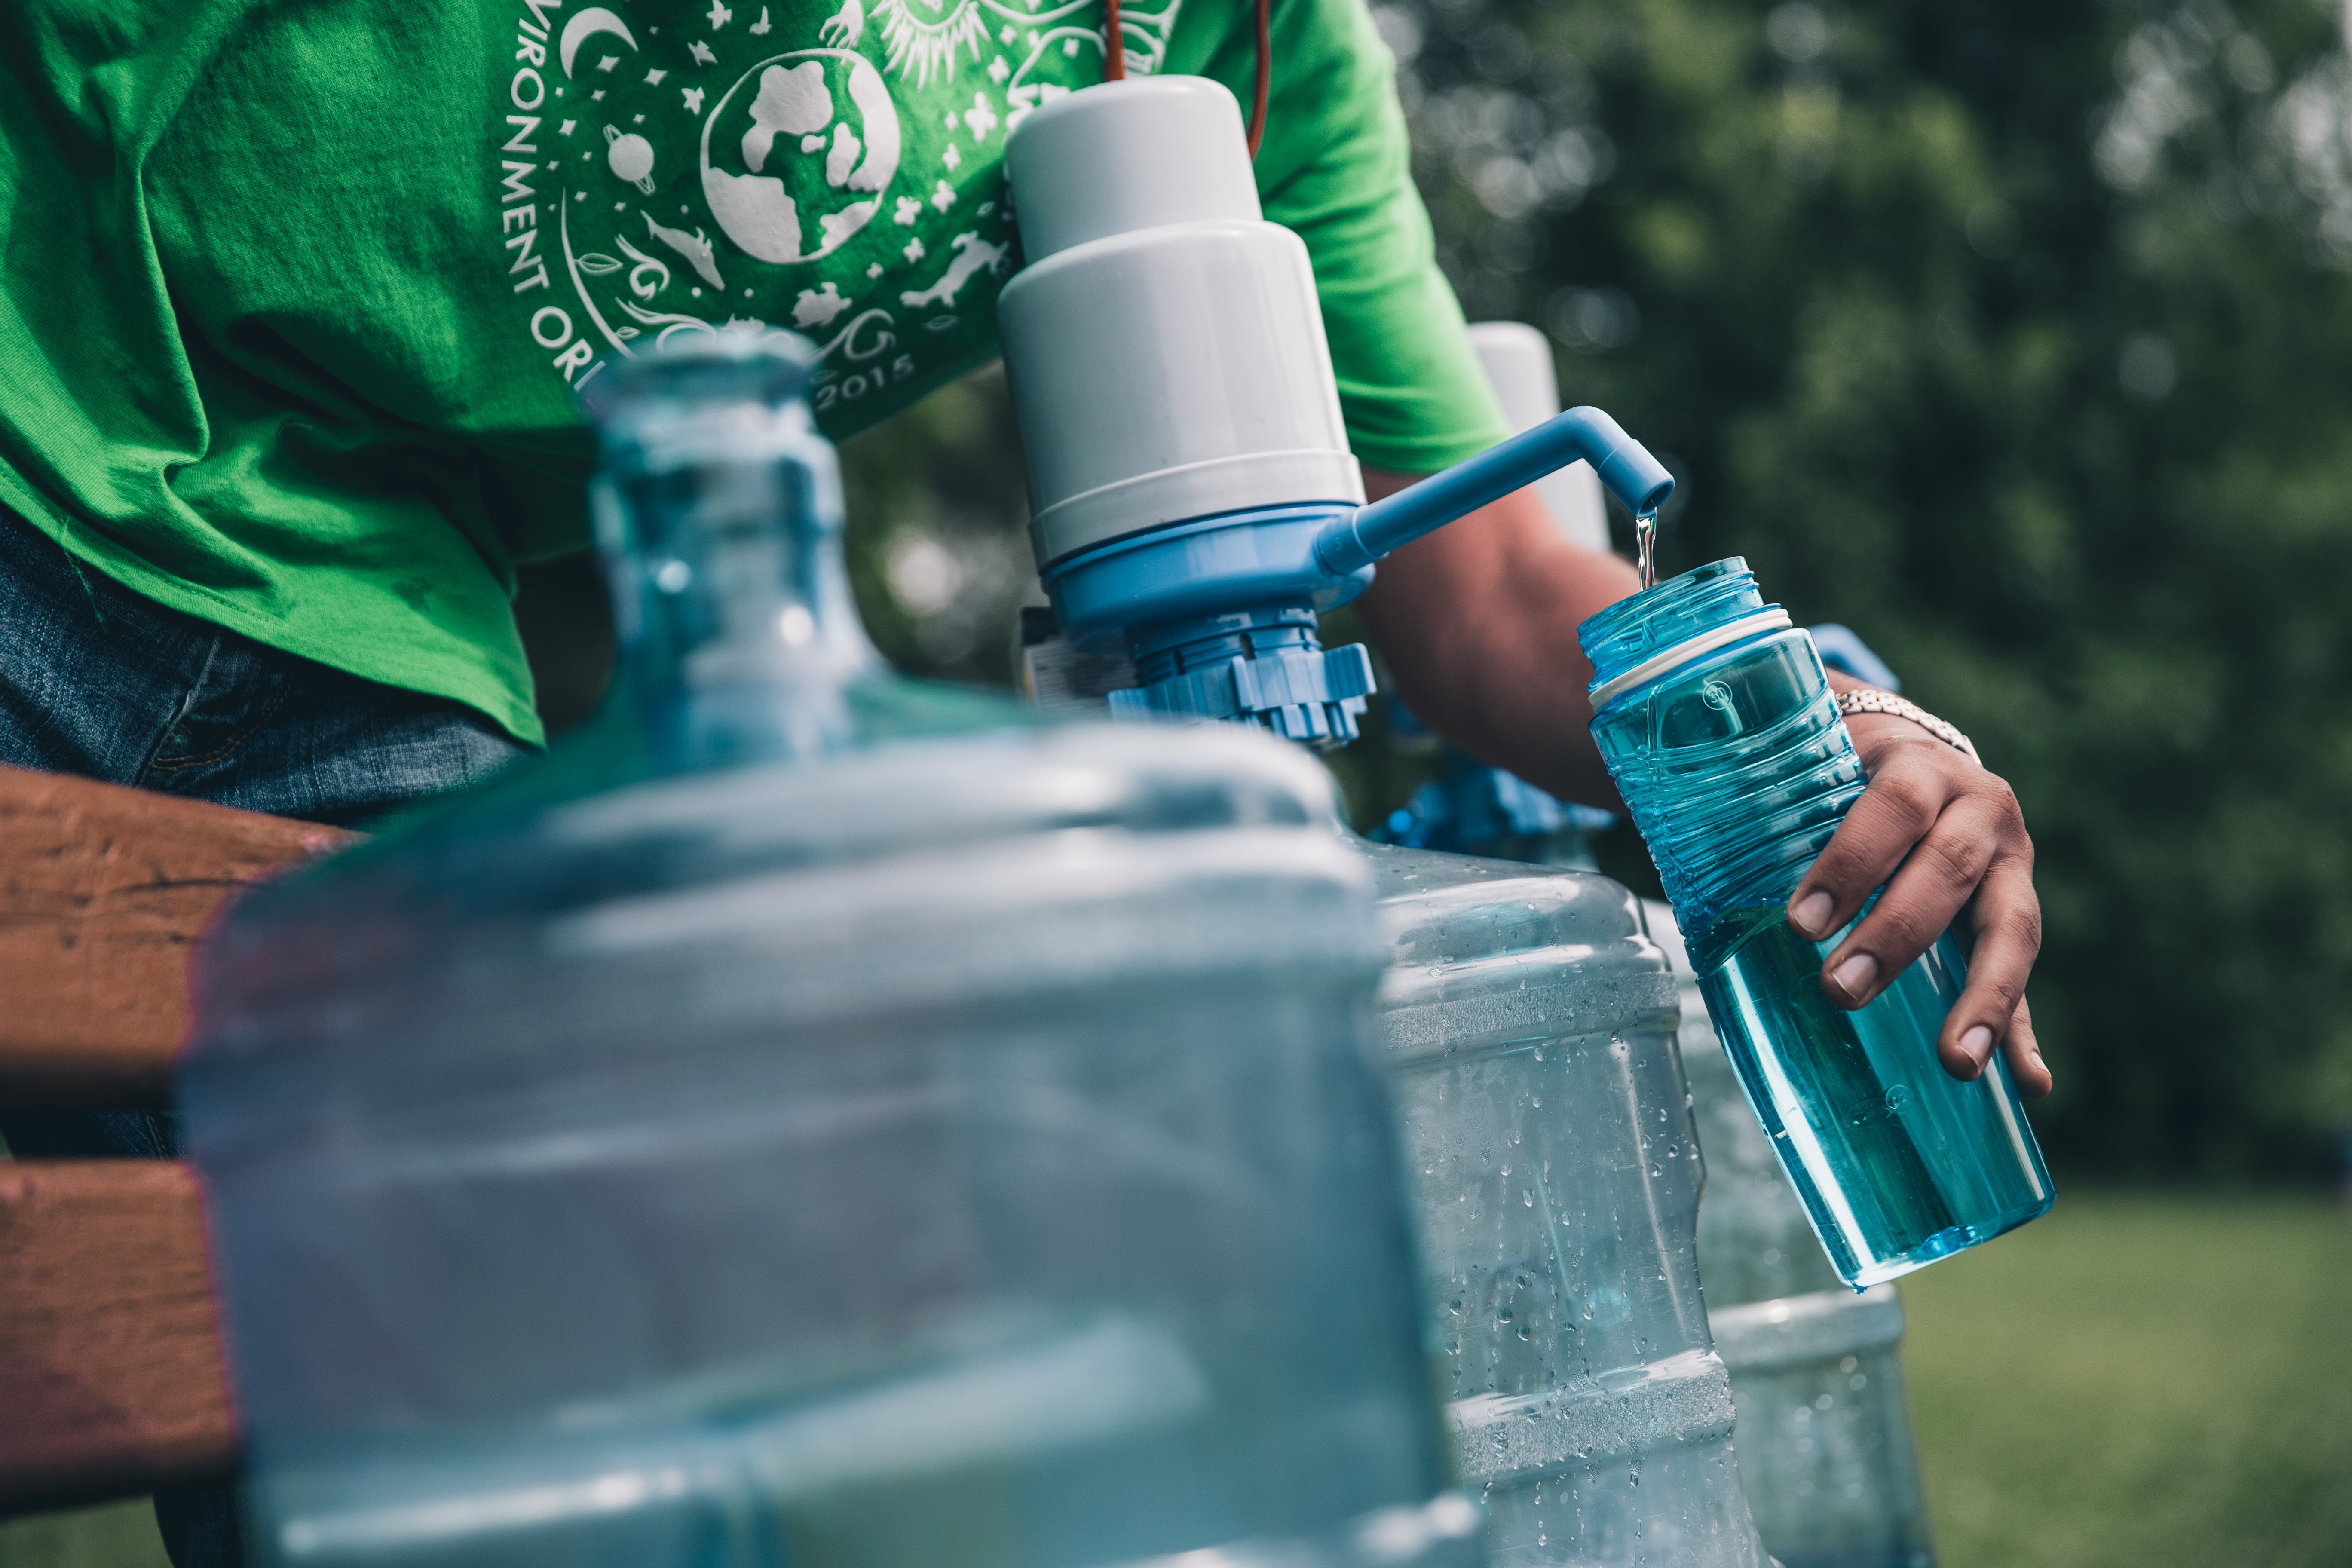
1766	620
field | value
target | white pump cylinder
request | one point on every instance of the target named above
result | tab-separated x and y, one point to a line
1164	342
1518	363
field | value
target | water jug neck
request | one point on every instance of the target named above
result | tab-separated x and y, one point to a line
718	515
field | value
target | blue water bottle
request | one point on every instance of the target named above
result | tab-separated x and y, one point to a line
1715	719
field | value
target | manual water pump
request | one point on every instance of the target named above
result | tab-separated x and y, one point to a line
1196	508
1195	503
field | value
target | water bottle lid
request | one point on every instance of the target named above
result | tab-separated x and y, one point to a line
1773	619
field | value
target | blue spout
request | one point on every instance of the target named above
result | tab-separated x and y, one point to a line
1350	542
1218	611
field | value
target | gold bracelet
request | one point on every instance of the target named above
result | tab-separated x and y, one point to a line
1870	700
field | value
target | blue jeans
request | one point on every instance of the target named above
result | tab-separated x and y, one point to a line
97	681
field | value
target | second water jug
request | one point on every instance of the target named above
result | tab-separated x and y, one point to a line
1546	1128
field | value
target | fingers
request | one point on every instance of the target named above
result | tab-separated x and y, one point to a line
2008	922
2026	1068
1907	795
1941	835
1941	875
2027	1071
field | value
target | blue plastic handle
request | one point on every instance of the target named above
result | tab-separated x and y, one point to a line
1355	540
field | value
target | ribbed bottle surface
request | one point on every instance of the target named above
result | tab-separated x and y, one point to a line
1735	765
1737	769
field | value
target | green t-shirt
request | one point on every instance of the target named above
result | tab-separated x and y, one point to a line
295	295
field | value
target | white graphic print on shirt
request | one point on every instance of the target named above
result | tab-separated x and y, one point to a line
667	169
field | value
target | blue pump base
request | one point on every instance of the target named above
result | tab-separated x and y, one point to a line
1262	666
1169	594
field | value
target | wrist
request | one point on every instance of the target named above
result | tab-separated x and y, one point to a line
1896	719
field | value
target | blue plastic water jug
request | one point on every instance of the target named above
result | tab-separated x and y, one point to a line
813	1117
1717	720
1530	1034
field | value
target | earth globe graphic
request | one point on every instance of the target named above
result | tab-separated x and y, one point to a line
796	154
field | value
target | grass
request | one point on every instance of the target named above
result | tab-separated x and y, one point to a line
119	1535
2143	1380
2155	1381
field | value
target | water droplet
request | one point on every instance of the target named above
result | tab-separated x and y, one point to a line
1504	1316
1527	1197
1526	1332
1897	1096
1845	1363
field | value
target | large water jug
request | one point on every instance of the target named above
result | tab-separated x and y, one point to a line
814	1117
1530	1030
1826	1455
1717	720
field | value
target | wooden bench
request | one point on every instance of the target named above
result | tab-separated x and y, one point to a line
111	1362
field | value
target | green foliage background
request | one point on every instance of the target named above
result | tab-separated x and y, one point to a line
2017	337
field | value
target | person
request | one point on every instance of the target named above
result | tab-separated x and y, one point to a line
298	301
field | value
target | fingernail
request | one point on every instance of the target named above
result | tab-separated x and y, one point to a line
1810	915
1854	976
2036	1057
1978	1043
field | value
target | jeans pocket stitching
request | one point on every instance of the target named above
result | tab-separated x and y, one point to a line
228	747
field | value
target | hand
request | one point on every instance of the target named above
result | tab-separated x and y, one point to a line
1942	835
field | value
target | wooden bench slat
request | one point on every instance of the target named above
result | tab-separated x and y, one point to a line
110	1366
102	891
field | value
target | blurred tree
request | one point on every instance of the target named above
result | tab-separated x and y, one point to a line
2015	336
939	533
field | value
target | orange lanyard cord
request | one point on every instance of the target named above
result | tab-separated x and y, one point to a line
1115	61
1114	44
1265	72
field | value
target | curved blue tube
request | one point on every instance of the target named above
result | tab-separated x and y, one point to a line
1355	540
